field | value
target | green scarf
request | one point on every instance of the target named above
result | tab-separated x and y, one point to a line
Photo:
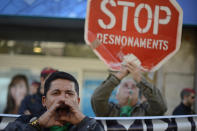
60	128
127	110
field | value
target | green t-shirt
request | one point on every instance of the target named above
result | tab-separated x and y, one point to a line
60	128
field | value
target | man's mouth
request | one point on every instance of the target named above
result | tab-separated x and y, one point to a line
63	110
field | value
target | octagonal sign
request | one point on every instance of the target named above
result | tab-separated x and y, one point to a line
147	29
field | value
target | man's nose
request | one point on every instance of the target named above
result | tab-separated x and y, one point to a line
63	96
130	91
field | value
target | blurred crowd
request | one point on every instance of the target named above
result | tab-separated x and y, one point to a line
53	103
135	95
25	99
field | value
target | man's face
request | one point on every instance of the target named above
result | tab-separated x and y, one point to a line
190	99
127	90
62	90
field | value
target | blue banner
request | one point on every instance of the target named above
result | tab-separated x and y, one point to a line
74	9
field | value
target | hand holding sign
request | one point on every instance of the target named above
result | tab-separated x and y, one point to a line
131	68
131	58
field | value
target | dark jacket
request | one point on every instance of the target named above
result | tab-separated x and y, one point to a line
181	109
21	124
32	103
155	104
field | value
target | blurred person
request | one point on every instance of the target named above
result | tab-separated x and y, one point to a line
32	104
187	100
128	95
34	87
61	100
17	90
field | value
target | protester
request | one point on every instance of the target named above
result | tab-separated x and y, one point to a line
187	100
128	95
17	90
32	104
34	87
61	100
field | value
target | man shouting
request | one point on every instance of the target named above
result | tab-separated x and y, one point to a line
61	100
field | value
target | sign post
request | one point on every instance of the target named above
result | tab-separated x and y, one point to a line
149	30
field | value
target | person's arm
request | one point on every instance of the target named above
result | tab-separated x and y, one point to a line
74	116
20	124
156	104
100	97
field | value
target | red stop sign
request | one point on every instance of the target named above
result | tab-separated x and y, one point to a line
150	30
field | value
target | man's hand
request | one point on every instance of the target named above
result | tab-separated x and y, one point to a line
131	68
74	116
122	73
52	117
134	70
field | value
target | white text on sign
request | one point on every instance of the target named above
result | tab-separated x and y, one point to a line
152	15
145	43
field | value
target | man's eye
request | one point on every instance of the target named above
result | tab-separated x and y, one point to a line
55	93
70	93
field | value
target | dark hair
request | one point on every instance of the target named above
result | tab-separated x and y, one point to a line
10	100
186	92
60	75
35	83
